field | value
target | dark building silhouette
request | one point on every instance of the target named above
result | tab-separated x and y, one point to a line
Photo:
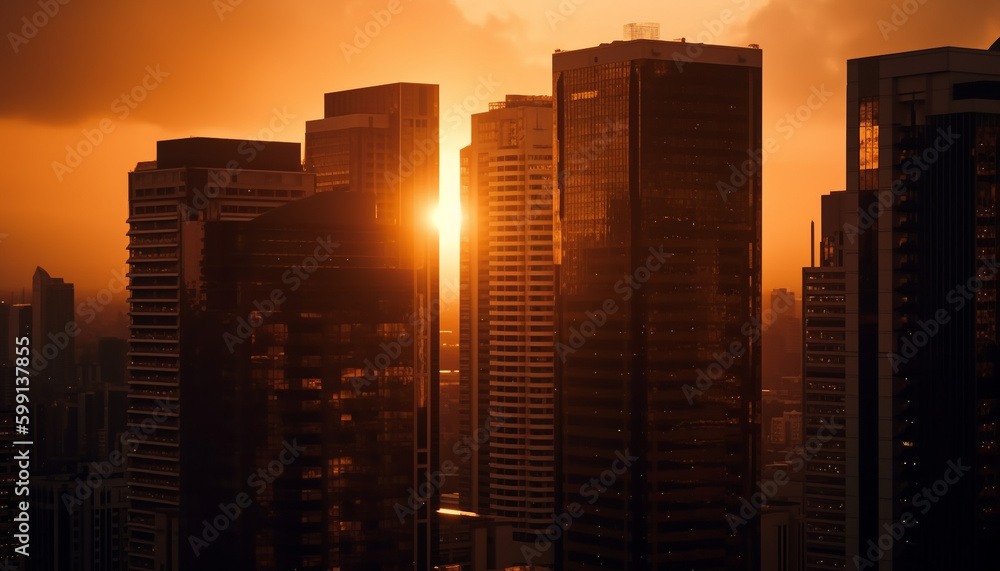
507	315
829	376
383	141
782	350
53	338
919	391
112	361
192	182
301	372
658	210
90	536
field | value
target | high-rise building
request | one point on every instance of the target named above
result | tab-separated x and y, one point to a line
658	206
912	369
383	140
53	333
325	364
829	380
191	182
507	314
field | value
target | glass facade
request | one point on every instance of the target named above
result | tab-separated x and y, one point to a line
659	274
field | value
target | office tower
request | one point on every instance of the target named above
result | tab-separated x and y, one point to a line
53	333
919	265
830	389
659	206
507	315
383	140
191	182
327	365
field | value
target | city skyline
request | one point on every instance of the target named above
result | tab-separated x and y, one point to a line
715	298
804	58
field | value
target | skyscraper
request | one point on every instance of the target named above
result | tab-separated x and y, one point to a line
830	379
507	314
320	321
658	281
53	316
920	269
191	182
383	141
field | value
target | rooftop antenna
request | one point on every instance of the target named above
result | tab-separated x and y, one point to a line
812	243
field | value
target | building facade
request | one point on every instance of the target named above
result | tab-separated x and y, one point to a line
191	182
384	141
507	313
921	145
658	213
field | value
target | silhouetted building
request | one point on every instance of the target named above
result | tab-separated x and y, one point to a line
192	182
383	140
658	213
112	361
85	533
54	333
507	315
829	376
331	369
920	351
782	348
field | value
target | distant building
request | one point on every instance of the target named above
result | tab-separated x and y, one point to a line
54	333
78	527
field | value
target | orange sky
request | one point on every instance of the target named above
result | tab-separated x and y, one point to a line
212	69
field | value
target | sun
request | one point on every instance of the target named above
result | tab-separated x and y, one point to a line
448	217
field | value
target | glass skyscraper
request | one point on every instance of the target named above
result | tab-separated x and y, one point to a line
658	211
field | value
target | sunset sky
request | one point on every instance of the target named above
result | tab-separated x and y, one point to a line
244	68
